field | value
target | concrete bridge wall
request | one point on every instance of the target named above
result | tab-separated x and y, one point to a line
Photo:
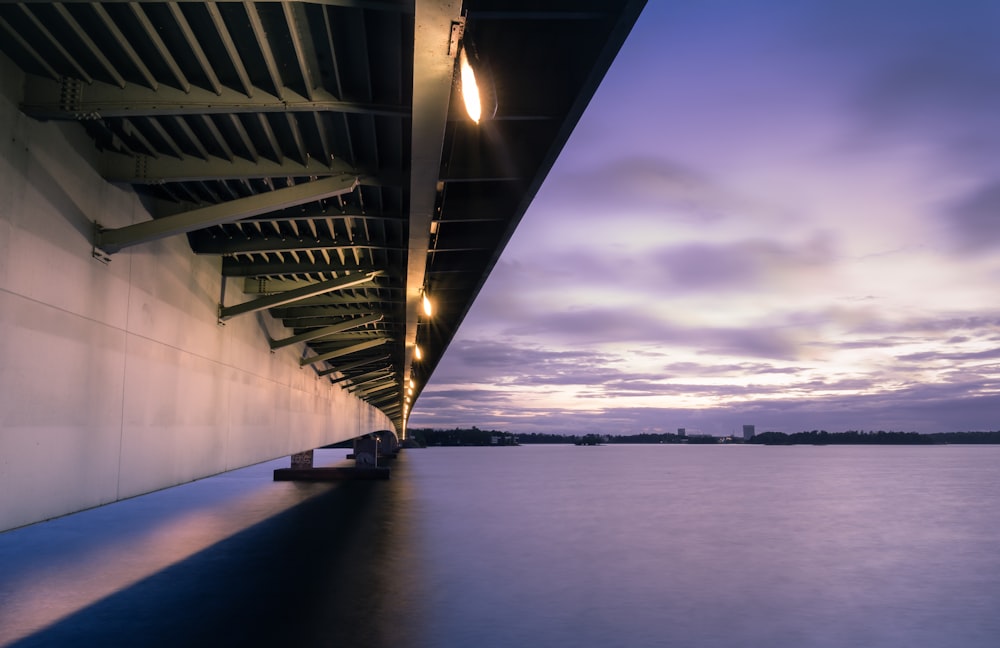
116	380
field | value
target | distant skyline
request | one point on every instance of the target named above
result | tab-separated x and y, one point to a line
771	213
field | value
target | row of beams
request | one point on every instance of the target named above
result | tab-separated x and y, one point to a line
205	244
353	365
70	99
339	353
113	240
316	334
270	301
268	286
233	268
143	169
356	380
398	6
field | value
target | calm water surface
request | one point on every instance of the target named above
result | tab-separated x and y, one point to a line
537	546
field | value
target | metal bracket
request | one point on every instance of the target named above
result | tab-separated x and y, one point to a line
457	31
95	251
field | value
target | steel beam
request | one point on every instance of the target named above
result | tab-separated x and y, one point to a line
359	386
69	99
357	380
113	240
433	76
395	6
352	365
334	339
315	334
232	267
259	304
375	390
309	312
144	169
207	244
339	353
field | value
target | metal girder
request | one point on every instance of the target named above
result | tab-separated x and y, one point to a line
352	365
325	331
314	322
339	353
326	212
386	402
72	99
356	380
233	268
433	75
376	389
113	240
398	6
333	339
252	306
144	169
209	244
378	378
265	286
308	312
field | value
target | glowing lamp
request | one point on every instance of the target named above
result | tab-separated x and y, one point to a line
417	353
428	309
470	89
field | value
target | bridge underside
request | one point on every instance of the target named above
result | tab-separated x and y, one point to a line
219	221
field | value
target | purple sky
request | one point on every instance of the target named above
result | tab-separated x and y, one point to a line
778	213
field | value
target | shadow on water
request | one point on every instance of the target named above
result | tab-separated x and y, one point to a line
338	569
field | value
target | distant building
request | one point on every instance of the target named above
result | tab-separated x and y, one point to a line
681	432
748	432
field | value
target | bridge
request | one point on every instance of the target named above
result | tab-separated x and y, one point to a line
233	231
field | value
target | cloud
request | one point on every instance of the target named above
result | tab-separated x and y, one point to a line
922	408
740	265
975	218
972	324
644	331
718	370
648	183
957	356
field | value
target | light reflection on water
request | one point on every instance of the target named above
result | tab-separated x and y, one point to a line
137	572
542	546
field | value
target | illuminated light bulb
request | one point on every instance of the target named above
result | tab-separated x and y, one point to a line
428	309
417	353
412	384
470	89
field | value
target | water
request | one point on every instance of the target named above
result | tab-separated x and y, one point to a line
536	546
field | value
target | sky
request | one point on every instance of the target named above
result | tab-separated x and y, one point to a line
784	214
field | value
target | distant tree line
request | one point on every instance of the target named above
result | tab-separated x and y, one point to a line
856	437
475	437
461	437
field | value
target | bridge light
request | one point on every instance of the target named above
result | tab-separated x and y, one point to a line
428	308
470	89
412	384
417	353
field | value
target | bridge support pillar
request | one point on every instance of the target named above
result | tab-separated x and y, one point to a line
366	452
365	465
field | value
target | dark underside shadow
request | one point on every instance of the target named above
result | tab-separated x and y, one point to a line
339	569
